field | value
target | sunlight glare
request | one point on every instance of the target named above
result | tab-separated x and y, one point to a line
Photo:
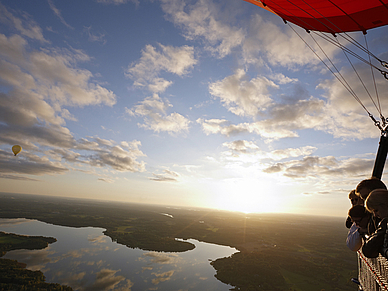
248	196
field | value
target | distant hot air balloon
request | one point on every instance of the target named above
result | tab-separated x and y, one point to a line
16	149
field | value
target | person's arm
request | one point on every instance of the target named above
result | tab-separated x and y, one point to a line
348	222
374	244
354	239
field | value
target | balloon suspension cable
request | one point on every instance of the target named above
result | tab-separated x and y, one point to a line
344	48
331	25
346	36
374	82
383	124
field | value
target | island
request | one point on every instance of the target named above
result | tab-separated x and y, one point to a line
14	275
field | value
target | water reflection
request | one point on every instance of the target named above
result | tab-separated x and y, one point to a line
85	259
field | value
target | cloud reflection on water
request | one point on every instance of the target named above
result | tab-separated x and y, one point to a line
106	279
161	277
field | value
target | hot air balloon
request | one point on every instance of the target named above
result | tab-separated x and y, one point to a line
329	19
16	149
333	16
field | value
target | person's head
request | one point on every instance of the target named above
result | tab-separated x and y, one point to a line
359	216
377	203
366	186
355	199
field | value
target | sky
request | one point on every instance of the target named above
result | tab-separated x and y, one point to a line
199	103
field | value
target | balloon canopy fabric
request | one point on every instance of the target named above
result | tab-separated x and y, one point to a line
16	149
333	16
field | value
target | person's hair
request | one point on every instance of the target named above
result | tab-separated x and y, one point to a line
358	211
376	198
371	184
352	193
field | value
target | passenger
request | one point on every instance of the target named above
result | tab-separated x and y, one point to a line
356	235
366	186
355	200
362	190
377	203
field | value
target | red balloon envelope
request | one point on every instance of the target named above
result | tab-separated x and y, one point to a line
330	16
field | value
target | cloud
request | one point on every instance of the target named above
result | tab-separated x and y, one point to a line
279	117
286	49
345	117
222	126
122	159
96	152
241	96
57	12
242	146
95	37
248	151
20	178
324	167
168	176
153	110
40	86
175	60
25	26
118	2
106	180
204	20
29	164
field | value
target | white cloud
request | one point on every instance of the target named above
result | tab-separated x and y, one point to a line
153	110
323	167
283	120
108	153
93	37
39	83
222	126
167	176
203	20
57	12
28	164
248	151
242	146
281	46
345	117
24	26
175	60
242	96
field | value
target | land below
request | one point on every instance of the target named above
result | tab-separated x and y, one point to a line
14	275
276	251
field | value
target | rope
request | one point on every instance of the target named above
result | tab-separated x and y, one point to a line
366	89
344	48
374	82
343	82
348	37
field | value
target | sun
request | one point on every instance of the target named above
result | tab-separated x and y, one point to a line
249	196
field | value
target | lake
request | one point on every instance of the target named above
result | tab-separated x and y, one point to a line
86	259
